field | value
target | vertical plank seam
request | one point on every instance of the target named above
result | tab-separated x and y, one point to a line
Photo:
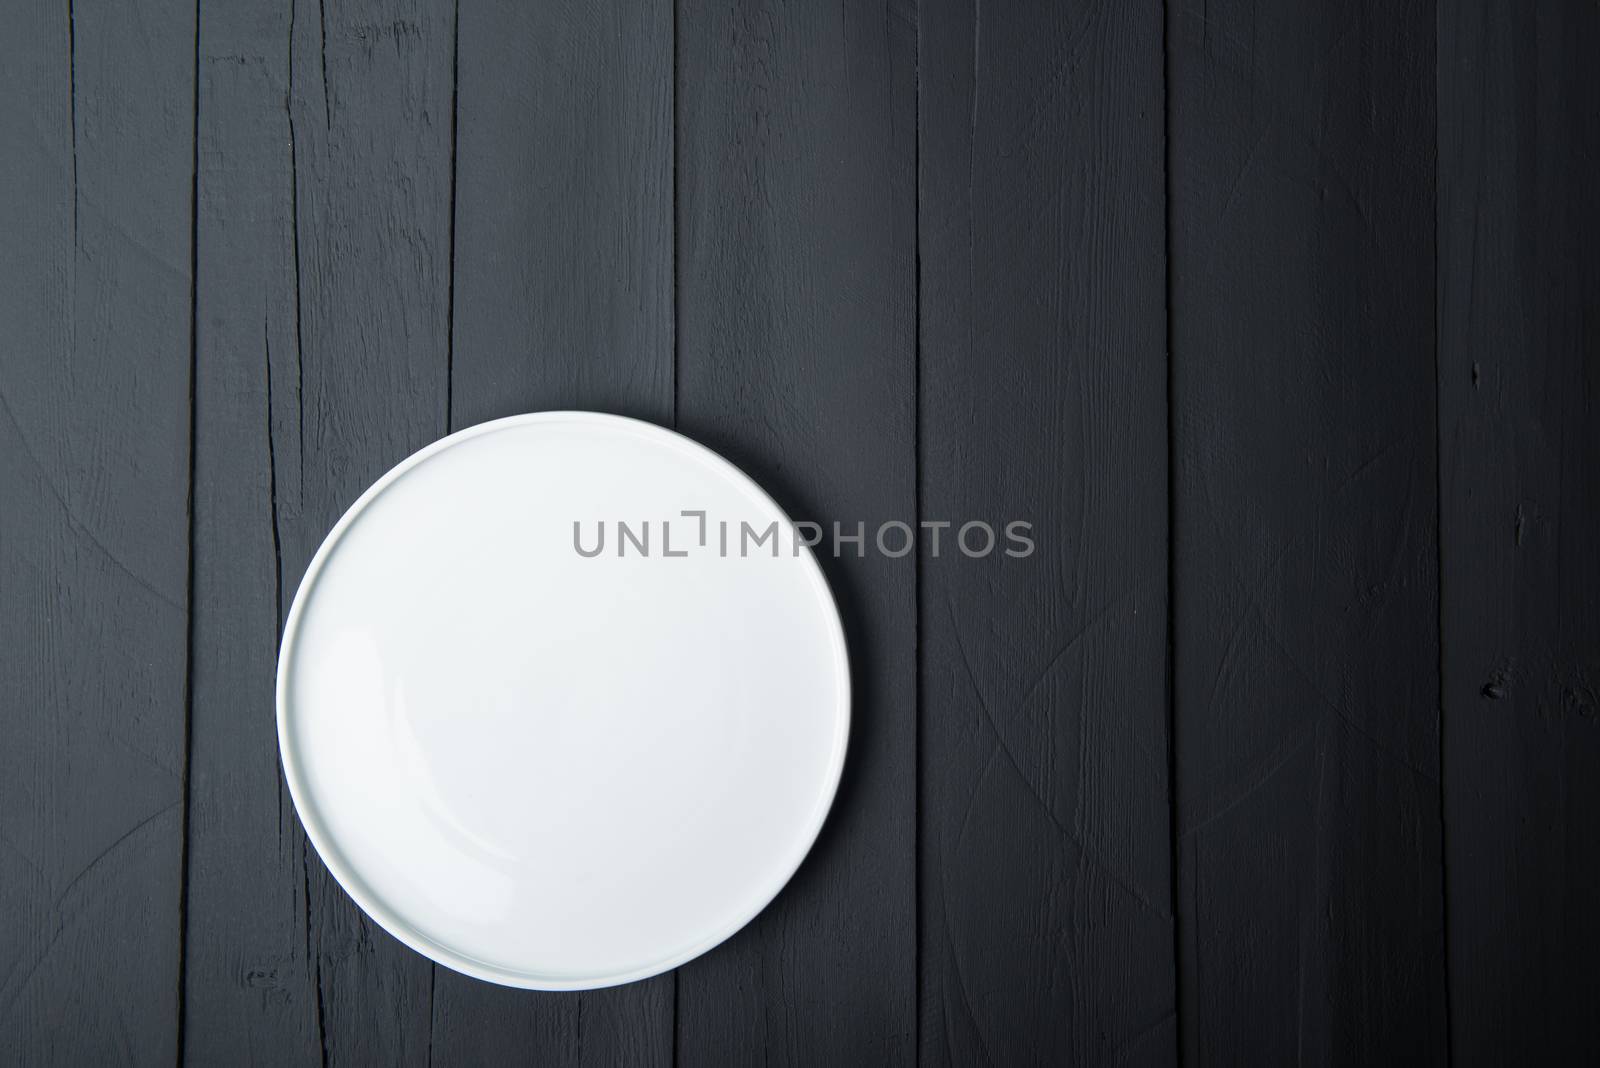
322	22
272	498
1438	550
449	337
313	955
917	570
277	539
188	656
672	178
1173	839
72	105
673	136
450	305
299	325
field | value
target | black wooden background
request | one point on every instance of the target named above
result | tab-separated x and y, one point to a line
1279	322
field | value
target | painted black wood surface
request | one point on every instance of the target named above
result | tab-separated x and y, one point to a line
1519	504
1304	533
97	154
796	359
1045	899
1278	324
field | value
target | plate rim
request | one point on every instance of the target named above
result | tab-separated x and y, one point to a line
324	842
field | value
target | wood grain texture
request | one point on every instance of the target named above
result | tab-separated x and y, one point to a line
796	358
564	210
1046	919
325	193
250	995
1304	577
900	262
562	299
96	178
371	95
1519	386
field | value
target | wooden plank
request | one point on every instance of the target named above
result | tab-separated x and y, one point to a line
371	94
96	174
563	299
796	297
1519	383
323	360
564	210
1304	577
1046	903
250	996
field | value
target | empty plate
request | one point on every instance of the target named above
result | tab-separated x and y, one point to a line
563	700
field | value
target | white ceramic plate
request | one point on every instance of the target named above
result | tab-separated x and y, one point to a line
548	770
